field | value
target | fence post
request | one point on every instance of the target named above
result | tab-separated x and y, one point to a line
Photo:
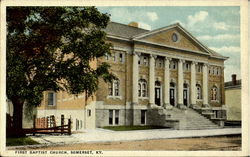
34	124
62	123
69	126
47	120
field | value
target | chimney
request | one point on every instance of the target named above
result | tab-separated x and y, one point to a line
133	24
234	79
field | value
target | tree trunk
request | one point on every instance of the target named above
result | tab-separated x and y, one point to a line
17	130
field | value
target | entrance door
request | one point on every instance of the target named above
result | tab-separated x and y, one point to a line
172	96
185	100
158	96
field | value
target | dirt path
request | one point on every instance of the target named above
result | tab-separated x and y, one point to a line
207	143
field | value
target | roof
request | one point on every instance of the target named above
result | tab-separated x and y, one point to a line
131	33
122	30
230	84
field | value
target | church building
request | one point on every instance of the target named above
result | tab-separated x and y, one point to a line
165	77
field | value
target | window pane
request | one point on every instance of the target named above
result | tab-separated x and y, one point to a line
116	84
116	117
110	89
110	117
116	92
143	116
50	98
121	57
145	60
89	113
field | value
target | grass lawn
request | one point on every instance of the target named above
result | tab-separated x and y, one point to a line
19	141
127	128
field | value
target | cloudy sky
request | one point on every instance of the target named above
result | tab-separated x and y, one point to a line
216	27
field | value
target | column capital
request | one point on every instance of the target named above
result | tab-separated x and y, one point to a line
205	64
136	53
194	62
168	58
153	56
181	60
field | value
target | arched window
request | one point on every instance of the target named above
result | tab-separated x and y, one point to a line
139	89
157	83
214	93
142	89
198	89
172	84
114	88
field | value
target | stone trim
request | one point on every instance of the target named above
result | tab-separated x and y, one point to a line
169	55
117	37
125	49
114	97
101	105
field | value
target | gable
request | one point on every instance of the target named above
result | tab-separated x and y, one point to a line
165	38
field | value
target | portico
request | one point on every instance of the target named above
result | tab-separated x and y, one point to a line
178	94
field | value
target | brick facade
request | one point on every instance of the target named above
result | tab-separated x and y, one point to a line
143	43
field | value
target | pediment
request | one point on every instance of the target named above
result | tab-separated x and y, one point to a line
173	36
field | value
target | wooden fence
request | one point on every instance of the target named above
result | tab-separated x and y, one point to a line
47	125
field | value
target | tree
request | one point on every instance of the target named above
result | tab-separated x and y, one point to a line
51	48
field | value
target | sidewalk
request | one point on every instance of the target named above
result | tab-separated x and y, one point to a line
102	135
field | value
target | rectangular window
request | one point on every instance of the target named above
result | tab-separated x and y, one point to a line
173	65
116	117
116	88
143	116
110	86
89	113
121	57
160	63
144	90
145	62
139	60
199	68
186	67
110	117
51	99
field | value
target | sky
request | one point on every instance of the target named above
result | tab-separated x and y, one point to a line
216	27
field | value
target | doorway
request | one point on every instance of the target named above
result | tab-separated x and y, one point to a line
172	94
185	94
158	93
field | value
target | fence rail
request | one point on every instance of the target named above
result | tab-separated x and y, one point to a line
47	125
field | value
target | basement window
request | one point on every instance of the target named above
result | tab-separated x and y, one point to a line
143	116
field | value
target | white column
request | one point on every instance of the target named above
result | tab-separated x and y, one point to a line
152	79
135	78
180	83
166	82
193	83
205	85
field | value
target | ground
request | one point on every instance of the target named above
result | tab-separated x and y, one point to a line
201	143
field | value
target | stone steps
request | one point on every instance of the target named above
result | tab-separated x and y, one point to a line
190	119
